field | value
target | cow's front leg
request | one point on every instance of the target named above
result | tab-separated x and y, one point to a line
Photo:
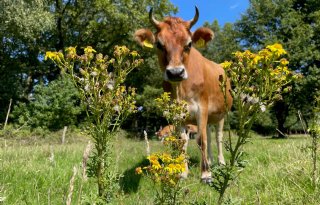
210	155
202	142
219	139
185	137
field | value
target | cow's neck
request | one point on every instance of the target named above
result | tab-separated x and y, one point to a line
177	91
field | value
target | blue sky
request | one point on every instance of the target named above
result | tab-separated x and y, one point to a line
222	10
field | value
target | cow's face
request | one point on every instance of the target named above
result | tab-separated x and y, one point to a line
173	41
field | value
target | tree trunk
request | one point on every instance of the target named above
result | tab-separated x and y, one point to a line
281	110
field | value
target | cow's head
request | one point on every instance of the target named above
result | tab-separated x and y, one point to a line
173	40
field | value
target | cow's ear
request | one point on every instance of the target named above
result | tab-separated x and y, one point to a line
144	37
202	36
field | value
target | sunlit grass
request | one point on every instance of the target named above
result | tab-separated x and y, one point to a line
278	173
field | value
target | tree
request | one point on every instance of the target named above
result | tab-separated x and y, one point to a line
295	24
25	38
101	24
224	42
104	24
20	31
51	107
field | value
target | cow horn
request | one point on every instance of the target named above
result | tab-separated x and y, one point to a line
152	19
195	18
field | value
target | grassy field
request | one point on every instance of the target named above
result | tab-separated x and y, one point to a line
37	170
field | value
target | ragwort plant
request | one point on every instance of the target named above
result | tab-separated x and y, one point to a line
165	168
258	79
100	81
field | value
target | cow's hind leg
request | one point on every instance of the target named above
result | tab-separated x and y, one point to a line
219	140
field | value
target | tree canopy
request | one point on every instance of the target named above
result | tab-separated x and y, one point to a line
32	27
295	24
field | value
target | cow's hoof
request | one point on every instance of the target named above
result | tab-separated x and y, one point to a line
207	180
222	163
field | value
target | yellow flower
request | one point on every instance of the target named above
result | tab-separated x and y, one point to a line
175	168
153	159
121	50
166	158
99	58
274	72
71	53
256	59
134	53
284	61
156	165
238	54
247	54
89	49
71	50
265	54
138	170
226	64
277	49
180	167
180	159
170	139
52	55
171	168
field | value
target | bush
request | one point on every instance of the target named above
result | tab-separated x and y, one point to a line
264	124
52	106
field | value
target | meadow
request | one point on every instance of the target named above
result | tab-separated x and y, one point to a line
38	169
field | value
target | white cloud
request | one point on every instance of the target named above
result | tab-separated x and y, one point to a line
234	6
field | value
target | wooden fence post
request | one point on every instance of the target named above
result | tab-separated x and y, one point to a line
5	123
64	134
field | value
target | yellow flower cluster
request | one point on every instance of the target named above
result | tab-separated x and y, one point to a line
173	110
164	168
270	54
165	162
259	77
89	49
101	90
53	55
170	139
277	49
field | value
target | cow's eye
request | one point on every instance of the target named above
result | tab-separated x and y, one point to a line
159	46
188	47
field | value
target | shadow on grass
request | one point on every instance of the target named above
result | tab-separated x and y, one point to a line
130	181
194	161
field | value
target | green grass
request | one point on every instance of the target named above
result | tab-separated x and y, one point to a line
279	172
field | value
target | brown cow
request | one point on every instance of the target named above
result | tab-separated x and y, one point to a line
191	129
191	77
169	129
165	132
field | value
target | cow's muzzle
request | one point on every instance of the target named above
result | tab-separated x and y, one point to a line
176	74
